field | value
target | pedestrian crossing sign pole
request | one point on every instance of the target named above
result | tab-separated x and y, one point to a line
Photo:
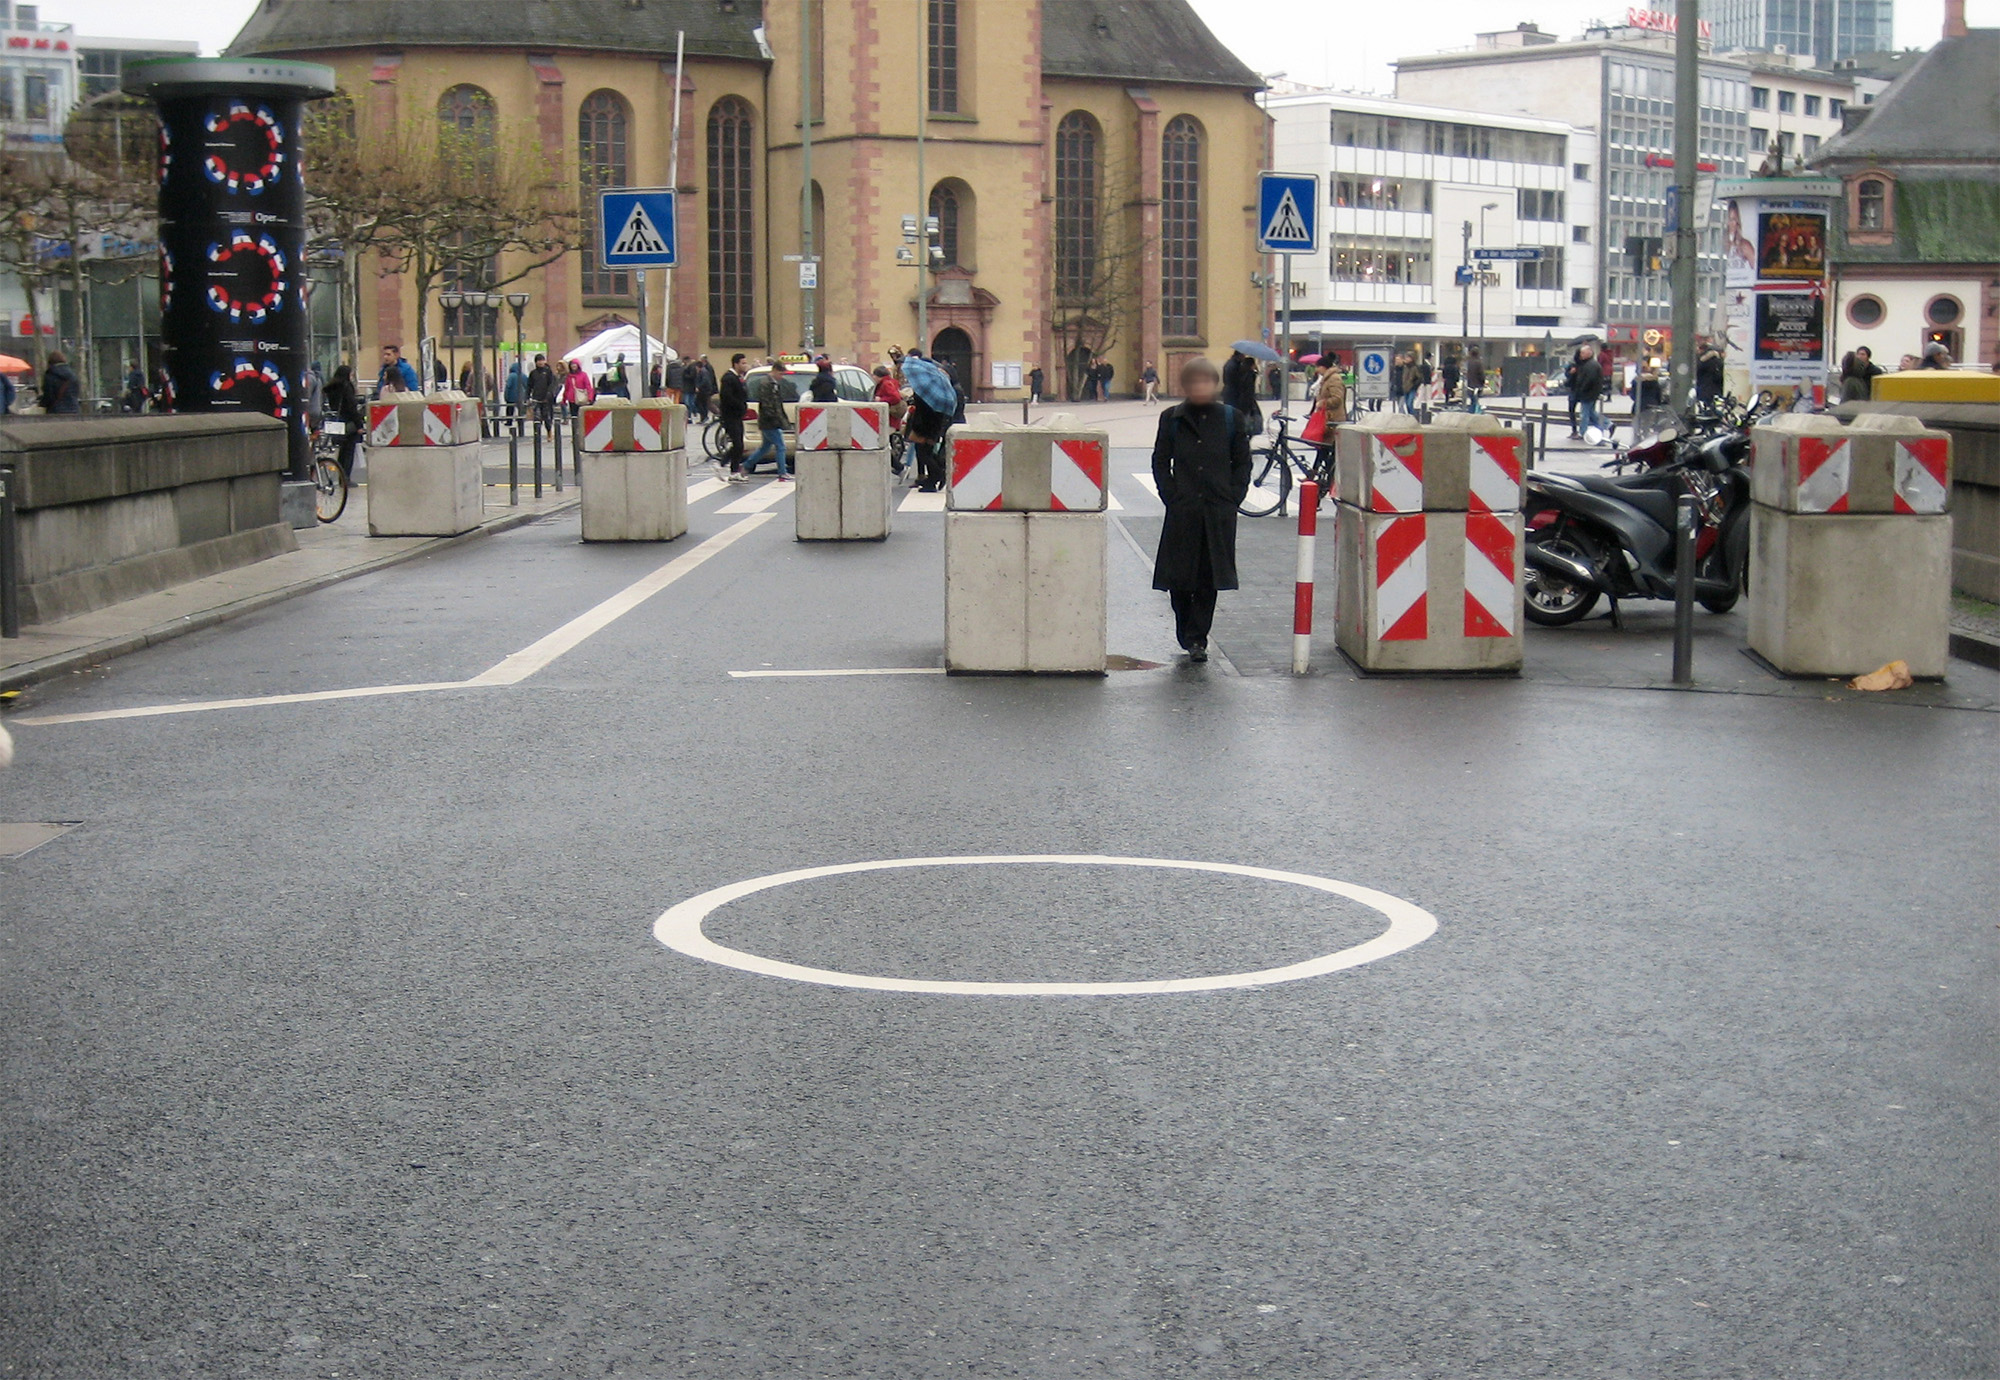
1288	224
636	229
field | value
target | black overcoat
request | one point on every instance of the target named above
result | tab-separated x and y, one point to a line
1201	464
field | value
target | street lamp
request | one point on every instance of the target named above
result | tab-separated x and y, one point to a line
518	301
477	301
449	301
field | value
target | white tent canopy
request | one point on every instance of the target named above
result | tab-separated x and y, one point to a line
602	350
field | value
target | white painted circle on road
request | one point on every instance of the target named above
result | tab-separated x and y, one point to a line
680	930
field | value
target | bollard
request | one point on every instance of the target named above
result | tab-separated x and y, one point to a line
426	474
1684	529
556	436
842	472
538	456
576	449
514	466
1302	588
638	470
10	560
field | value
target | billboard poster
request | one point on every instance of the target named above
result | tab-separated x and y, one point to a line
1788	345
1791	246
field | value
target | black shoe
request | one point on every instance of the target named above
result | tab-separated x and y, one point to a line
1199	651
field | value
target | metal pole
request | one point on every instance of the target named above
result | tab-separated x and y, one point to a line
1302	587
1465	301
922	32
10	560
1684	521
1687	155
645	388
514	467
1285	339
556	439
807	296
538	453
576	450
673	185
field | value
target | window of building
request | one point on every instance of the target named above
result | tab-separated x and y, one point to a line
732	225
1077	139
1760	139
1180	228
34	96
1866	311
1812	105
6	93
1356	129
601	127
1787	142
1378	259
1871	204
1760	98
1580	171
1579	234
1944	310
1535	204
1382	194
944	57
1541	275
1836	109
1579	297
467	111
1788	101
951	204
1809	145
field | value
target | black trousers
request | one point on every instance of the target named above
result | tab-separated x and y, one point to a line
732	427
1194	615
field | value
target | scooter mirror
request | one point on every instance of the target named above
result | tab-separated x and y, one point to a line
1592	436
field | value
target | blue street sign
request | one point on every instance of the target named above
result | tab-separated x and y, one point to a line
1288	213
1673	225
1372	371
1526	253
1462	276
635	227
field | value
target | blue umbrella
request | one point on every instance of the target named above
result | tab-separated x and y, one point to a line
1257	350
931	383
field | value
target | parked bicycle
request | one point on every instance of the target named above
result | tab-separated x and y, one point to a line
1274	465
329	479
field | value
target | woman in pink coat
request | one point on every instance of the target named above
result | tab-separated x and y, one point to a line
576	389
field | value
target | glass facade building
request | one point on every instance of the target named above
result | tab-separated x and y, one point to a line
1830	30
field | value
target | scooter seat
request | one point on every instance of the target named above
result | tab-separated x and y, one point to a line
1637	490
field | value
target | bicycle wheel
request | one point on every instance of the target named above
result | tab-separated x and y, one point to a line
330	485
1270	484
715	442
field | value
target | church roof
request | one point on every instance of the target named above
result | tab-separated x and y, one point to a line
1137	40
714	28
1945	109
1121	40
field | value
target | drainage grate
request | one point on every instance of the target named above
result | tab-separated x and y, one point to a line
16	839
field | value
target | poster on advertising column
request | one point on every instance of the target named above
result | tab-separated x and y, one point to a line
1788	347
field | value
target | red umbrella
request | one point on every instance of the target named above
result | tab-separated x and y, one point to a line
10	364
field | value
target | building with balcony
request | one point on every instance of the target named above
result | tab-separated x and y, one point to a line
38	78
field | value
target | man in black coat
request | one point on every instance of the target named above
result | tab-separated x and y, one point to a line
1201	466
732	406
1239	389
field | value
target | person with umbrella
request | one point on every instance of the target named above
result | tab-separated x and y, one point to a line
1239	381
1201	466
934	401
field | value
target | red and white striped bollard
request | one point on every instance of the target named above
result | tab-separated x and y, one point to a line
1302	594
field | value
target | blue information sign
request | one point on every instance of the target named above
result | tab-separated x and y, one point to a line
1525	254
635	227
1288	213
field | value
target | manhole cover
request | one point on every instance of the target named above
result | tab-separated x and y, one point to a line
16	839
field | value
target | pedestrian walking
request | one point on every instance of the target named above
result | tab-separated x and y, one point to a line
674	381
1105	374
1239	389
1857	375
515	391
133	399
163	392
60	391
397	376
824	389
542	388
732	407
1936	356
770	421
343	404
1587	387
615	384
1149	379
1475	378
1708	372
1201	467
576	389
705	385
1452	373
312	397
1329	407
1036	381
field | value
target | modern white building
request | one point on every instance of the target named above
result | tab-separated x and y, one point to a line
1821	30
1794	106
1410	193
38	78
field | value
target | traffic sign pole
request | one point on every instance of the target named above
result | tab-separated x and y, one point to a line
1288	219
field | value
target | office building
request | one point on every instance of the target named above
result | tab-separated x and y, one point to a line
38	78
1824	30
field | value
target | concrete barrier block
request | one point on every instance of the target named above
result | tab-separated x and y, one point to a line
866	505
1809	463
621	424
1068	578
1387	463
1428	591
985	591
994	467
843	426
412	419
424	491
635	495
816	498
1841	594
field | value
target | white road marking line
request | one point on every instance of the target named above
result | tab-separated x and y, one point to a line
917	502
757	500
533	657
1146	482
702	488
511	670
680	929
862	671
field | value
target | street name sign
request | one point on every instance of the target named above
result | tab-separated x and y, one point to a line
1527	253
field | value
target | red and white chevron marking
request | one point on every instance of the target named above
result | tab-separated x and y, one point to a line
865	427
1922	474
385	425
1492	599
1076	476
1495	480
1402	579
815	428
1396	467
1826	471
600	428
975	472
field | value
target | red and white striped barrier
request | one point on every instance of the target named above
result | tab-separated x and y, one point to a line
620	428
1464	461
452	422
1302	583
843	426
1883	463
1026	469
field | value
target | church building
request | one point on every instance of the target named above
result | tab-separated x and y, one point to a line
1091	166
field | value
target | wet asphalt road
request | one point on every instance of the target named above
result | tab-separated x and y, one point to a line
338	1043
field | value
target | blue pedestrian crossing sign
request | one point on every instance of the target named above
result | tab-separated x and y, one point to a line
635	227
1288	213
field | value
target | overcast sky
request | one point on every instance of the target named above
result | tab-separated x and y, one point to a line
1345	45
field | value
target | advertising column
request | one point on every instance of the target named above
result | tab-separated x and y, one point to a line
233	323
1775	284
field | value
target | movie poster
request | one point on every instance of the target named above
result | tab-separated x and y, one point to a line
1739	251
1789	343
1791	246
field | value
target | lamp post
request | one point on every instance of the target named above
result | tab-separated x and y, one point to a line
449	301
1489	206
477	301
518	303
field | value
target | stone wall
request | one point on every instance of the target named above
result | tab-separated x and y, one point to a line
112	508
1975	486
